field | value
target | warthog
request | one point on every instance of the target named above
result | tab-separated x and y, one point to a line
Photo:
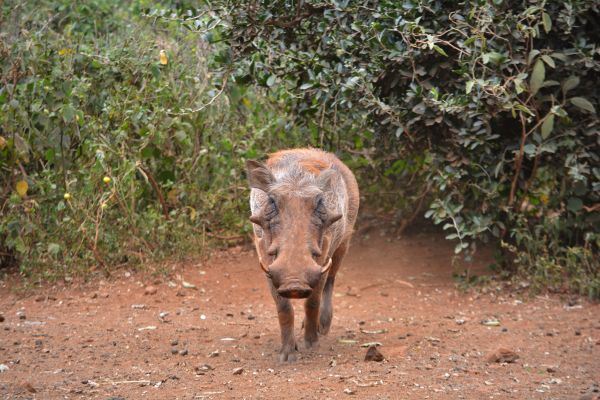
304	204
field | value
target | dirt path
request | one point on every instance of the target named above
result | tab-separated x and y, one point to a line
109	341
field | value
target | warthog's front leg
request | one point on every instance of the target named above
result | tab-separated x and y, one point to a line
285	313
311	319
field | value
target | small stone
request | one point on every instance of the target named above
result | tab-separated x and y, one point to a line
349	391
214	354
1	318
251	317
238	371
174	350
202	369
503	355
29	387
94	295
150	290
504	329
551	369
183	352
174	342
38	343
577	333
3	368
22	315
374	355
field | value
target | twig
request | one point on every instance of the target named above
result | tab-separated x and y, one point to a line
156	188
407	222
212	100
518	161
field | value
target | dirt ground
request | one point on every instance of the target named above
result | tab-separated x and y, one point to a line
219	339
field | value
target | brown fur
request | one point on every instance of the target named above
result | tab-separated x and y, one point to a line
304	204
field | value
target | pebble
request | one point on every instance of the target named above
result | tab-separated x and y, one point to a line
1	318
174	350
21	315
374	355
29	387
149	290
349	391
238	371
174	342
3	368
183	352
202	369
503	355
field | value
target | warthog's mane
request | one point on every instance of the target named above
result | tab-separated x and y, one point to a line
295	181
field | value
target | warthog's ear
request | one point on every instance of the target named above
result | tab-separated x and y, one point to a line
259	175
326	178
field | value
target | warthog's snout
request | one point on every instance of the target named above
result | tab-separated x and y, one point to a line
294	290
295	283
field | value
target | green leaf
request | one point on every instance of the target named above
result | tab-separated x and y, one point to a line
547	126
570	83
68	113
583	103
537	77
547	22
469	86
548	60
440	50
493	57
271	80
53	249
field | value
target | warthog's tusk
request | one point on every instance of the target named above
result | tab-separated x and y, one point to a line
326	267
262	266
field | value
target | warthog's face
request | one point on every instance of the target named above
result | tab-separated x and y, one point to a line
294	246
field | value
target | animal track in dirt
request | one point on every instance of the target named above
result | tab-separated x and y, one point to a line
217	337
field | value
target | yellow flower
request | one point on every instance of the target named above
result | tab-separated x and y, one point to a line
106	179
22	188
163	57
67	196
544	199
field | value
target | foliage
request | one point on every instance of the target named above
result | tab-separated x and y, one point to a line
492	104
107	153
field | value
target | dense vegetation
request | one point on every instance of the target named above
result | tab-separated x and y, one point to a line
480	115
104	154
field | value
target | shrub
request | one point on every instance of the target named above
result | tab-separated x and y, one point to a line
109	153
490	108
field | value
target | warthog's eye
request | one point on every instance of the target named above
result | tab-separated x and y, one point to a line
270	209
321	210
315	254
273	252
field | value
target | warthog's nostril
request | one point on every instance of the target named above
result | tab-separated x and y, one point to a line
294	291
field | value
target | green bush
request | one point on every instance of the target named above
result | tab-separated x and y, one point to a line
486	108
109	156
